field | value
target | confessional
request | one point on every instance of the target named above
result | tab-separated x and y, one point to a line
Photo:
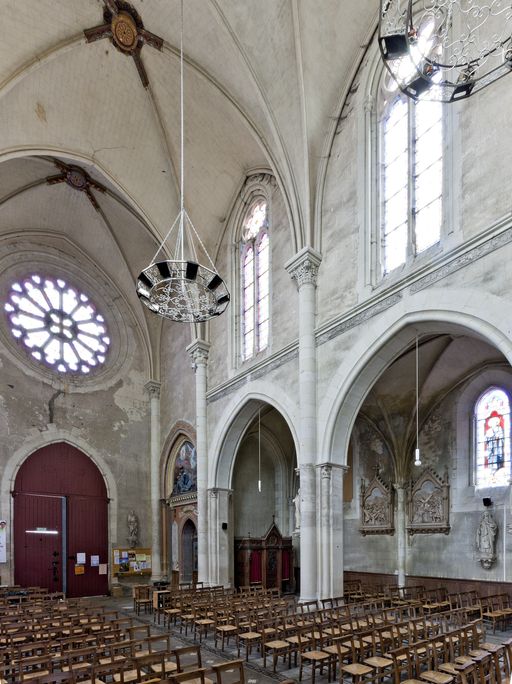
266	560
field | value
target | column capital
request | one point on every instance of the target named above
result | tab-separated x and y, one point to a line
199	350
153	389
303	267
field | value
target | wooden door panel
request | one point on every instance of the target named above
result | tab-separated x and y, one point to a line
87	533
38	541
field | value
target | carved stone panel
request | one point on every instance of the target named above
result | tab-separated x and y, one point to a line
376	508
428	504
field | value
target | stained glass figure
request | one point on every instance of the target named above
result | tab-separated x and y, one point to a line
492	414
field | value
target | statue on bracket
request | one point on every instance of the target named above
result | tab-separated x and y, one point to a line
486	539
376	507
428	503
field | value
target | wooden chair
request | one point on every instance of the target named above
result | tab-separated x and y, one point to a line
313	655
187	658
230	672
197	676
276	647
55	678
142	598
249	639
225	628
29	668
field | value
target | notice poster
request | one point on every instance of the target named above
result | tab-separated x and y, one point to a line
95	561
102	569
3	541
80	558
79	570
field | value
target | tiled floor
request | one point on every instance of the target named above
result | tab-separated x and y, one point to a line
255	674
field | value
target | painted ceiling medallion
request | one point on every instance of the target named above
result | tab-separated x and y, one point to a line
124	32
123	25
78	179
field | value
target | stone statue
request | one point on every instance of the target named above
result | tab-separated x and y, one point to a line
296	501
486	539
133	529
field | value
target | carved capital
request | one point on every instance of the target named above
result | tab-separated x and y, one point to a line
153	389
213	493
199	350
325	470
303	267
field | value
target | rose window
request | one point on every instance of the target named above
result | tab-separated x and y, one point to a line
58	325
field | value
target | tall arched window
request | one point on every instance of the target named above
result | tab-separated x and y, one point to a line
411	175
492	429
255	279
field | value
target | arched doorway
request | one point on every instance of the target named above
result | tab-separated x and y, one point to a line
189	551
60	519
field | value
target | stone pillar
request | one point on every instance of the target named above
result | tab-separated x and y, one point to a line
153	390
221	538
400	533
330	507
213	534
303	268
198	351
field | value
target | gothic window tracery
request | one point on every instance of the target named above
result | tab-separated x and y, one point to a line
255	280
57	324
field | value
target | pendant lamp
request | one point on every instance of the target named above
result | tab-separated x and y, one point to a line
181	288
445	50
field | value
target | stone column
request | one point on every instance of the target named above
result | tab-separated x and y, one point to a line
331	529
213	534
153	390
400	533
303	268
198	351
221	540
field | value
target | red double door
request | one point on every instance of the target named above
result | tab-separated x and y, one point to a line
60	511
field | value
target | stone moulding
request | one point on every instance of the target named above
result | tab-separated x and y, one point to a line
428	504
377	503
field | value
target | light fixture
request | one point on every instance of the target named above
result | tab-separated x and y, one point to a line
417	459
181	288
445	50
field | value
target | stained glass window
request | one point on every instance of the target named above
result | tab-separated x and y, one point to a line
411	175
57	324
255	280
492	419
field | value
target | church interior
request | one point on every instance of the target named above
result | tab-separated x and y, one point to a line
255	336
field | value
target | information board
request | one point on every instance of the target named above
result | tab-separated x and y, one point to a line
131	562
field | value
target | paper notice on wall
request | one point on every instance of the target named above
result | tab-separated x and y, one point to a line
79	570
140	557
124	554
80	559
95	561
102	569
3	541
116	557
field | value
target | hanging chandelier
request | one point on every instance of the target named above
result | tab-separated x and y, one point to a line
181	288
445	50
